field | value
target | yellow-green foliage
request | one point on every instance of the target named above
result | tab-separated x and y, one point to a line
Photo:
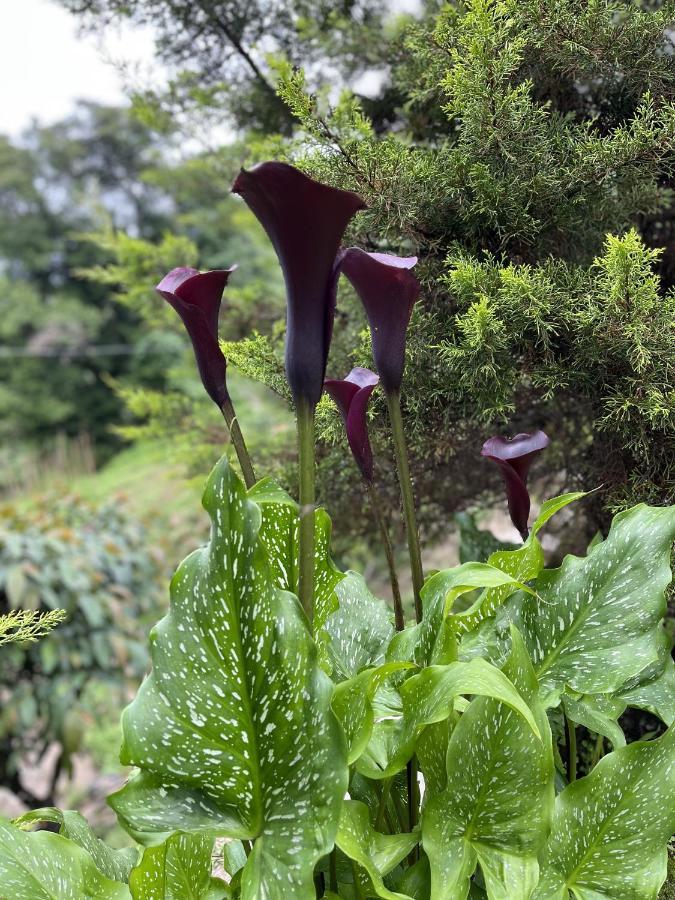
26	626
530	142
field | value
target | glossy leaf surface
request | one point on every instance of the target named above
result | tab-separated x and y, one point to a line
232	731
498	801
279	535
425	699
114	864
44	866
377	854
179	868
360	630
433	640
611	828
597	622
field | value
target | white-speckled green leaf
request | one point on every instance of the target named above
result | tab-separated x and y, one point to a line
513	572
41	865
425	699
178	869
656	694
598	620
611	829
433	640
353	705
359	632
114	864
598	713
497	805
377	854
232	731
279	534
523	565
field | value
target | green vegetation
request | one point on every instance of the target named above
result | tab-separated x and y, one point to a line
524	152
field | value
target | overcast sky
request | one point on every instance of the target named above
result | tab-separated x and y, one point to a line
45	65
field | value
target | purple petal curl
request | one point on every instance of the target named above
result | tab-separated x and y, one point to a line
514	456
388	290
196	296
351	396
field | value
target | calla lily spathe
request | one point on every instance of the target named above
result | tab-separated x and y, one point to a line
514	456
196	296
351	396
388	290
305	221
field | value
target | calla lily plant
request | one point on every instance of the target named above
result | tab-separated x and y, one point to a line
297	737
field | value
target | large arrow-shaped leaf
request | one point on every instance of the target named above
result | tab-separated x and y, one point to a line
522	564
498	801
377	854
433	640
358	633
610	829
232	731
45	866
597	622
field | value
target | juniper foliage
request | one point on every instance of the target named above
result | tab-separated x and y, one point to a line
527	164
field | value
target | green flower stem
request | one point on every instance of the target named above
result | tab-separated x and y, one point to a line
305	417
238	442
571	730
401	450
388	552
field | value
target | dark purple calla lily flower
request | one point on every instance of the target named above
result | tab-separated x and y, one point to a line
388	291
196	296
351	396
514	457
305	221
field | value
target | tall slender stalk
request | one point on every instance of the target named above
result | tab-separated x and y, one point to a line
415	553
376	506
305	418
238	443
405	482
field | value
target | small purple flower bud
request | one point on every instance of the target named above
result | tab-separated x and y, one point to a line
388	291
305	221
351	396
514	457
196	296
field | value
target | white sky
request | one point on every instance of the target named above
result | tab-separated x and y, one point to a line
45	65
